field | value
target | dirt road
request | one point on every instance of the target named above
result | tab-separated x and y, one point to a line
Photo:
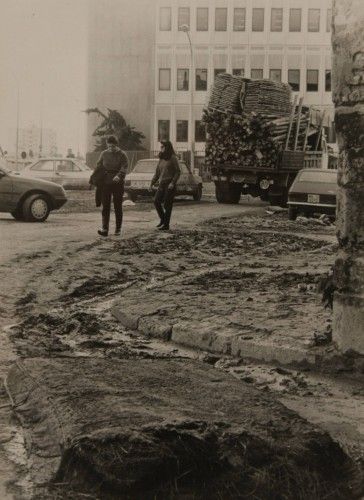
60	277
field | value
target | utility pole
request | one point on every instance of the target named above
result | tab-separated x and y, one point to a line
348	96
186	29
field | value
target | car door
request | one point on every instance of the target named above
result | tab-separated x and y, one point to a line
68	173
42	169
7	199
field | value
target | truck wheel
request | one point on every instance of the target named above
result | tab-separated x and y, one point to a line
227	192
292	213
197	195
36	208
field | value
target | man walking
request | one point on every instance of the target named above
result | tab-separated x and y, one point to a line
167	172
110	173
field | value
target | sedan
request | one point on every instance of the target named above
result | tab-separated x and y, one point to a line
68	172
313	191
28	199
137	183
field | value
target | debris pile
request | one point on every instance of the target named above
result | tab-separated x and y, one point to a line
248	121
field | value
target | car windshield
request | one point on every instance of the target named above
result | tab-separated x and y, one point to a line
145	166
317	176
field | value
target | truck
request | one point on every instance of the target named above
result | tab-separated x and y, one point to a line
257	139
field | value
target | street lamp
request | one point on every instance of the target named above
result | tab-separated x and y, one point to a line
186	29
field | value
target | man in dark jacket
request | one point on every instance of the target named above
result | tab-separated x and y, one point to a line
109	177
167	173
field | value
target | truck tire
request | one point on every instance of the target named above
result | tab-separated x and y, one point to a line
227	192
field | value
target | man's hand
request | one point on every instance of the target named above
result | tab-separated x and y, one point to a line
171	186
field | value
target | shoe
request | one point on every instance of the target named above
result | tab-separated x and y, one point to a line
117	232
103	232
164	228
160	224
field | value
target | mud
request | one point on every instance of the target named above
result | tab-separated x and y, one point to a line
142	430
259	277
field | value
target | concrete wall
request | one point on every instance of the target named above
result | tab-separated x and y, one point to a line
120	72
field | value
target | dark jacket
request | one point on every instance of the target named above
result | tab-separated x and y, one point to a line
167	172
110	164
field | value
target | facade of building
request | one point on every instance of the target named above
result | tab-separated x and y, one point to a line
120	61
285	40
39	142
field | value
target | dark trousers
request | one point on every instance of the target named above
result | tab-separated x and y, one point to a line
163	202
116	192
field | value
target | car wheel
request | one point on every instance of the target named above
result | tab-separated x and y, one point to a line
292	213
197	195
17	214
36	208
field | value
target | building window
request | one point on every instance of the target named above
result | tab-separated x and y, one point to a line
201	79
295	19
183	17
163	130
313	20
328	80
165	19
294	79
220	19
328	20
312	80
202	19
183	79
164	79
182	131
258	20
256	74
276	20
275	75
200	131
239	19
218	71
238	72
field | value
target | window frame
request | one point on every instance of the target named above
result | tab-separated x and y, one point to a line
170	18
299	79
159	80
235	25
275	9
256	69
328	72
204	70
218	71
201	9
179	15
167	138
44	162
311	11
280	73
317	72
290	22
255	10
188	80
225	19
197	137
234	72
185	124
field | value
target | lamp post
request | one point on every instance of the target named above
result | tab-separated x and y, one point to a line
186	30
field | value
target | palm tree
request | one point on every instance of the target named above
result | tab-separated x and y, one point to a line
114	124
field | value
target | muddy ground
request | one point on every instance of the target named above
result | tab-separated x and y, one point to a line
257	273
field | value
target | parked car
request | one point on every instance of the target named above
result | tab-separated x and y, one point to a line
28	199
137	183
68	172
313	191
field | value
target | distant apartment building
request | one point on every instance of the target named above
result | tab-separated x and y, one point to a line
120	61
284	40
33	139
140	62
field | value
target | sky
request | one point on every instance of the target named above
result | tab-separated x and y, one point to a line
43	54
